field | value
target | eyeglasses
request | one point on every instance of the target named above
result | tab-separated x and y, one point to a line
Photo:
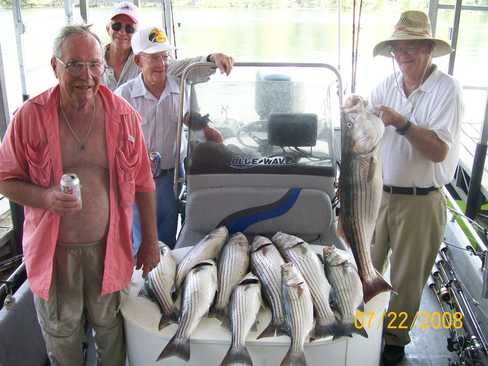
157	57
129	29
75	68
411	50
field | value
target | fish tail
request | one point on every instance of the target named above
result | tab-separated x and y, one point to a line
373	287
179	347
237	355
294	359
167	319
325	329
349	328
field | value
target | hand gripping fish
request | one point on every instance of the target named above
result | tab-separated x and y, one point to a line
360	189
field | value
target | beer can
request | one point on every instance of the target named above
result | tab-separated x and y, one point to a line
155	158
70	183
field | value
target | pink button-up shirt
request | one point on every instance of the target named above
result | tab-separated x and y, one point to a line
31	152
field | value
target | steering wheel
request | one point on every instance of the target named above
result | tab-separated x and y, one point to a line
253	135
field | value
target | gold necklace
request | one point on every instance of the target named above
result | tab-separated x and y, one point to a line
75	136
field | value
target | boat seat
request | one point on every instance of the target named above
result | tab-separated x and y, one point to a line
304	212
21	342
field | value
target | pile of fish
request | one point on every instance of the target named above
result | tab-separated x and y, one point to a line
227	278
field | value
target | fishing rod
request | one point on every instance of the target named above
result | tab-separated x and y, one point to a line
466	338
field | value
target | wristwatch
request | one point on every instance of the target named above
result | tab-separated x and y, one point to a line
403	130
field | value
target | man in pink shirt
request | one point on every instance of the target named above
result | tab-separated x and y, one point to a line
78	253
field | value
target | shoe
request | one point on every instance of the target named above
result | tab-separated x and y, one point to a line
392	355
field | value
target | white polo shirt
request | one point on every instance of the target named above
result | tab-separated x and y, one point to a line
159	116
436	105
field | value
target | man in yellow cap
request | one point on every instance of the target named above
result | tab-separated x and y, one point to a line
155	94
422	109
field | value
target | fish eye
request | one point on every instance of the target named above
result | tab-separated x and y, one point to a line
348	124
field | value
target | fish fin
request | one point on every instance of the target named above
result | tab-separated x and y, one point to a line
142	292
178	347
321	258
220	314
348	329
361	307
270	331
294	359
168	319
373	165
225	323
373	287
237	355
146	291
323	330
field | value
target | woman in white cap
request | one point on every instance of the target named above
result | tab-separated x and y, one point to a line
422	109
119	56
120	66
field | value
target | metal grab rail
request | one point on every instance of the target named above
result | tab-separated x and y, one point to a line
12	283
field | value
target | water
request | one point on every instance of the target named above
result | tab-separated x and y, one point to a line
286	34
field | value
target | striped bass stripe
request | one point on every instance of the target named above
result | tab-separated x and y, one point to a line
317	285
344	297
362	207
269	274
298	315
197	298
165	302
243	315
233	266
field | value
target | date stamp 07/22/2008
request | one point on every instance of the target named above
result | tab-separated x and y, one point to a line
424	320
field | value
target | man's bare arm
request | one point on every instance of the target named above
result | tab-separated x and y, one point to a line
28	194
148	255
422	139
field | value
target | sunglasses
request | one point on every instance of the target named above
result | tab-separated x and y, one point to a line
129	29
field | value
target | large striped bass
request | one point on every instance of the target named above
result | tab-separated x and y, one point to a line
360	189
233	266
266	263
299	252
161	282
344	278
198	294
207	248
243	310
298	306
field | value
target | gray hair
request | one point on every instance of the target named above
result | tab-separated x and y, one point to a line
69	30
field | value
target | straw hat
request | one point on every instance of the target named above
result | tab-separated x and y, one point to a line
413	25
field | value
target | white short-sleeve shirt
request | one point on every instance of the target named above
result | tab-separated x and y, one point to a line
159	116
436	105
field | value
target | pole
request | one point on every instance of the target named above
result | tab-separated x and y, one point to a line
19	30
454	35
474	193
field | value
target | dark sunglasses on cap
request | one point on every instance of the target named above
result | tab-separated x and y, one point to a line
129	29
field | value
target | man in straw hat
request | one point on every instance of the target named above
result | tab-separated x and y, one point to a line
422	109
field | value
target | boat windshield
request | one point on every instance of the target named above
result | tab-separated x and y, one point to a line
266	119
